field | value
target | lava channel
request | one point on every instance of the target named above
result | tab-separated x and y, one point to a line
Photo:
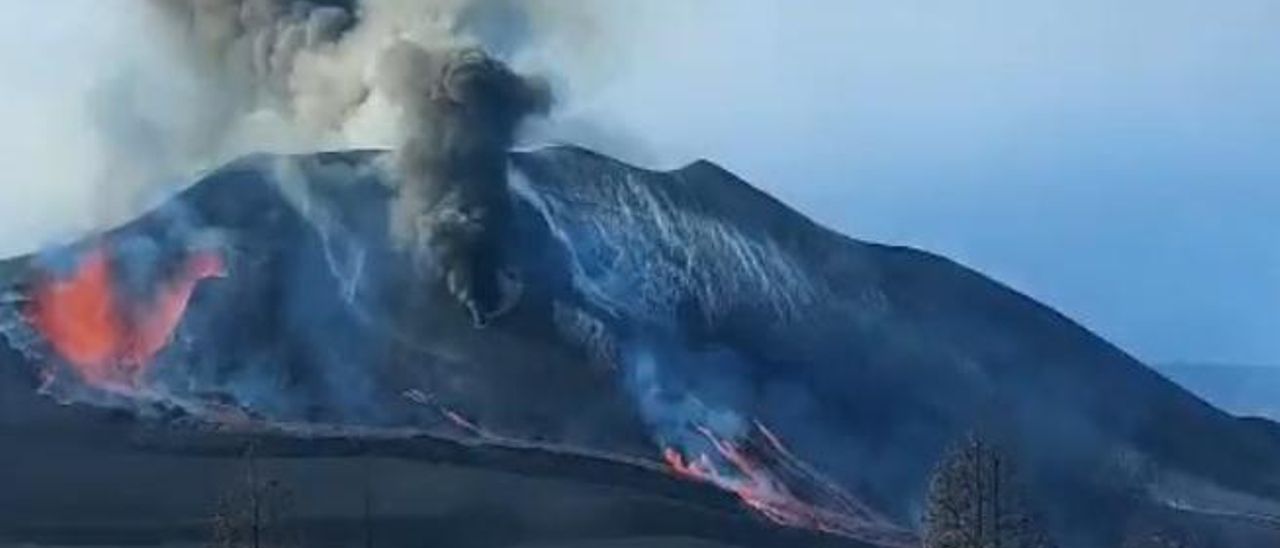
754	470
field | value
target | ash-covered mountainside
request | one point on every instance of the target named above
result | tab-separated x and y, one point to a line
682	317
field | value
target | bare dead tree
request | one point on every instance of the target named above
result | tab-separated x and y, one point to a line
974	501
253	514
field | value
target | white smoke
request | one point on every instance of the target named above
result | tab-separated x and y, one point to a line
58	94
112	104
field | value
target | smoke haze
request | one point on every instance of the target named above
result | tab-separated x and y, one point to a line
136	95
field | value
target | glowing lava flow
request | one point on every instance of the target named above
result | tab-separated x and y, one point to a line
108	341
747	469
752	482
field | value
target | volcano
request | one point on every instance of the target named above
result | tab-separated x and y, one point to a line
680	336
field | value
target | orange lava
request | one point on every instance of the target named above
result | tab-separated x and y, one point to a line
753	483
747	473
107	341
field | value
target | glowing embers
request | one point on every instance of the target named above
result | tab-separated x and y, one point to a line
106	338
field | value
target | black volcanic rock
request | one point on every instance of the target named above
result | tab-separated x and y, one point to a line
656	306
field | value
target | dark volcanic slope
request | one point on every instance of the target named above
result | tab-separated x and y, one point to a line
1245	390
78	476
911	347
663	310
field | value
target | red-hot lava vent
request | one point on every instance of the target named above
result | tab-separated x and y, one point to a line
108	339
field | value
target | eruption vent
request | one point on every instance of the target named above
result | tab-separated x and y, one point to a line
107	339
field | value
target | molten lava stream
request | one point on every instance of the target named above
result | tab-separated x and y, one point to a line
739	470
108	341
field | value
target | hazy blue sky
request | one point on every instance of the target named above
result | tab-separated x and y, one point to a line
1118	160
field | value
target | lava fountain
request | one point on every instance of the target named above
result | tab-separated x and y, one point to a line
108	340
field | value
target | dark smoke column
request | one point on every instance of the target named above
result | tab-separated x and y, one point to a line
462	110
